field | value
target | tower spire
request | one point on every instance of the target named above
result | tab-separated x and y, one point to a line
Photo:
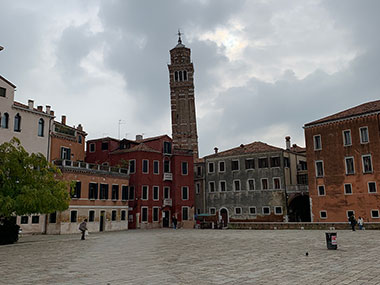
179	36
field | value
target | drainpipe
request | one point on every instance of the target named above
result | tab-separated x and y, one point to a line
48	159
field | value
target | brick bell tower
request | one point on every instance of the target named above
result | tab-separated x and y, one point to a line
184	124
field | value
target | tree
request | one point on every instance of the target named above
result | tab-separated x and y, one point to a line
28	183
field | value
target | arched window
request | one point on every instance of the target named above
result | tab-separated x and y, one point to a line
41	124
185	75
4	121
176	76
180	75
80	139
17	126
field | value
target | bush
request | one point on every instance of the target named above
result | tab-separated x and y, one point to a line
8	231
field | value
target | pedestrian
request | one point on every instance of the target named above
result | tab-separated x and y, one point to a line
352	222
174	222
360	223
83	228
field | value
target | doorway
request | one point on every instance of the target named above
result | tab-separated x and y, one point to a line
299	209
224	215
101	221
166	219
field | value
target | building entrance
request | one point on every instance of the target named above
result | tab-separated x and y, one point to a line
101	221
166	219
224	214
299	209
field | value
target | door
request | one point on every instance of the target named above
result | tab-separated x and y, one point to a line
224	214
101	221
165	219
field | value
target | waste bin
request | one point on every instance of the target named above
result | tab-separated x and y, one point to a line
331	241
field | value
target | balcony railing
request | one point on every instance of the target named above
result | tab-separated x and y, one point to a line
297	188
168	176
90	166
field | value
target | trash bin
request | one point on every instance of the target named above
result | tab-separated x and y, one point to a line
331	241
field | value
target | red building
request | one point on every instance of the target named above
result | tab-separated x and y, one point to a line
161	181
343	157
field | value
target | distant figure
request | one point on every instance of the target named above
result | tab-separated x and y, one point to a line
174	222
352	221
360	223
83	228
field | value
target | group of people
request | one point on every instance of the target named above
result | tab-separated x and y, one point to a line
353	222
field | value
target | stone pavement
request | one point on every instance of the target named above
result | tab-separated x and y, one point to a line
193	257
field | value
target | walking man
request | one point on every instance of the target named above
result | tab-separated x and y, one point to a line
352	221
83	228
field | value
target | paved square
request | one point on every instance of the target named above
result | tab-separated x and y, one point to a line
193	257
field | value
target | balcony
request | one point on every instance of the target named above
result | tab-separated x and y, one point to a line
167	202
297	188
96	168
168	176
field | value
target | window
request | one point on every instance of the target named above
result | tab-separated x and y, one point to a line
156	193
35	219
367	163
350	213
155	214
372	187
5	121
123	215
17	123
210	167
166	166
211	186
185	193
321	190
278	210
104	145
264	183
185	213
167	147
347	189
323	214
375	214
197	188
222	186
266	210
115	192
145	166
156	167
263	162
103	195
275	161
92	147
124	192
91	216
65	153
24	220
347	138
3	91
237	185
238	211
252	210
276	183
286	162
364	138
144	214
221	166
53	218
41	126
131	193
166	192
319	168
251	184
185	75
75	193
212	211
73	216
175	75
80	139
144	194
93	190
199	171
184	167
132	166
249	163
235	165
317	142
114	214
349	165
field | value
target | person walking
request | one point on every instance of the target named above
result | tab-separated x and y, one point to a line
83	228
174	222
352	221
360	223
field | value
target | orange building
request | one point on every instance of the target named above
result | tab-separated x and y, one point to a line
343	156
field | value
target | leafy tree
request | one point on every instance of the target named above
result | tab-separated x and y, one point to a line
28	183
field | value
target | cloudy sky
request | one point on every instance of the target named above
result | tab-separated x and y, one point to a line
262	68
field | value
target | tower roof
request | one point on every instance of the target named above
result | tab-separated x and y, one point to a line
180	44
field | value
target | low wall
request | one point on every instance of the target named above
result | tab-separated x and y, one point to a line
298	226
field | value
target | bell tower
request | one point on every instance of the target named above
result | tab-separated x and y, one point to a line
184	124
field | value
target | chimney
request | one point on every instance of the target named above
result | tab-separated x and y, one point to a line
63	120
30	104
80	128
216	149
242	145
139	137
39	108
47	109
287	141
52	113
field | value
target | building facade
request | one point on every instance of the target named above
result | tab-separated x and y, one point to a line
343	153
